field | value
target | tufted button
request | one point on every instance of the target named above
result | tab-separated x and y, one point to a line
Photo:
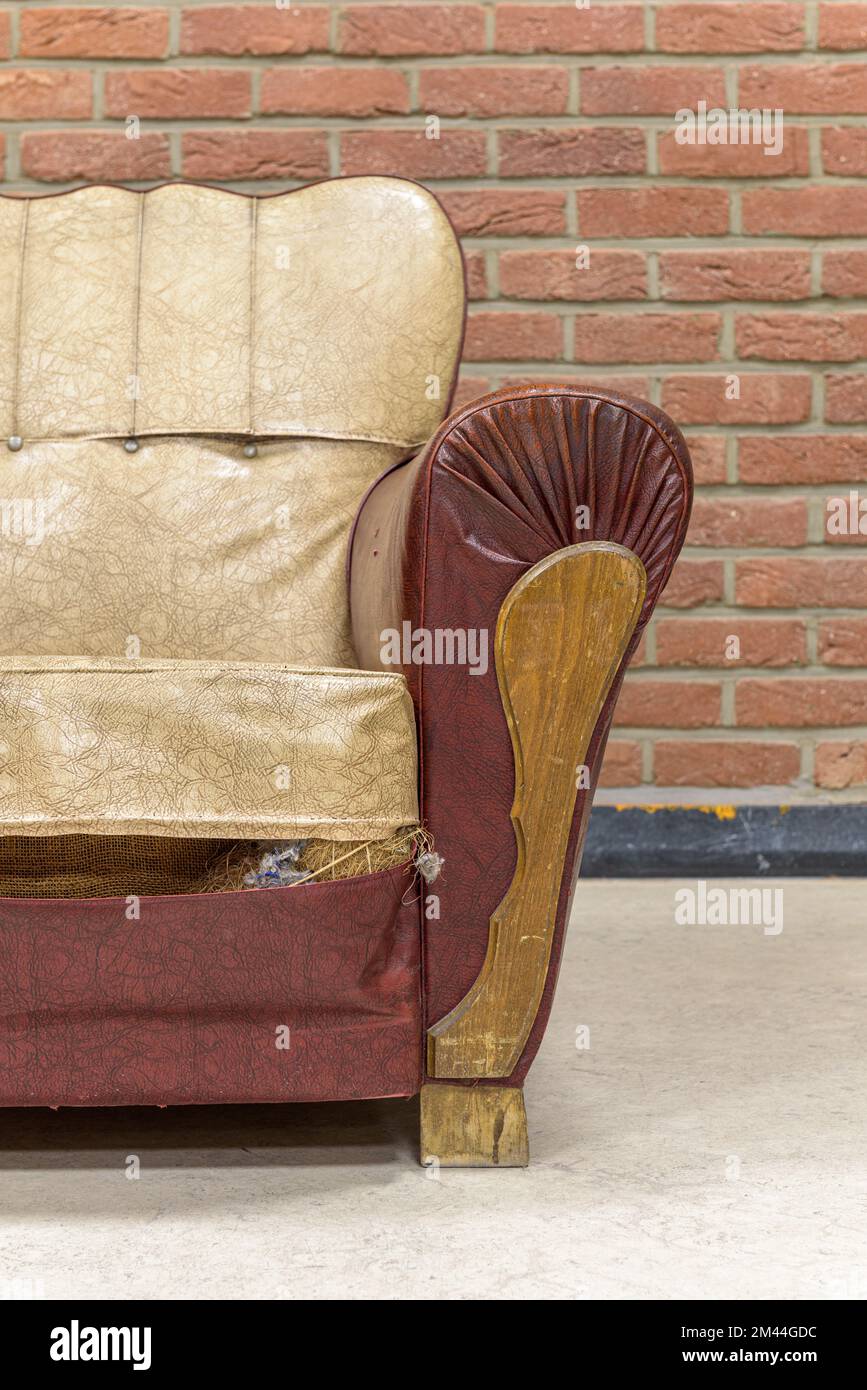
131	445
250	451
14	442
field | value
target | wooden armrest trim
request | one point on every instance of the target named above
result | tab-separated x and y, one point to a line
561	635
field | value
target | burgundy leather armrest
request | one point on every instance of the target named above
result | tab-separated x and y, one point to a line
438	544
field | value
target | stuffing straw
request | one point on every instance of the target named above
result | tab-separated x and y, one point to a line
322	860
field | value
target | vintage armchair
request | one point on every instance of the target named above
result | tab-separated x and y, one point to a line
199	391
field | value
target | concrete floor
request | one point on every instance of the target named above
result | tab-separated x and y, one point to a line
710	1143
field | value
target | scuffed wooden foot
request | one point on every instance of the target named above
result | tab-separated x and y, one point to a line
474	1126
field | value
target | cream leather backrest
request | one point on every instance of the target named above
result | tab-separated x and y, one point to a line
172	367
334	310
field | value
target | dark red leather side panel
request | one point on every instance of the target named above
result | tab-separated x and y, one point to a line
183	1006
440	542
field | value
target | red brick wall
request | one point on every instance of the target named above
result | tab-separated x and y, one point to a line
705	263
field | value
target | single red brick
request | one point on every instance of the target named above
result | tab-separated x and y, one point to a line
5	34
842	337
42	94
167	93
89	32
844	273
59	156
408	153
507	212
730	28
803	458
764	398
577	152
799	702
735	161
846	398
798	337
332	91
717	273
234	31
842	26
708	454
650	91
621	766
706	641
466	91
812	212
477	275
844	151
841	764
719	763
513	337
845	519
694	583
603	385
639	656
783	581
850	540
843	641
691	704
469	389
653	212
255	154
722	521
637	387
388	31
565	29
648	338
810	88
555	275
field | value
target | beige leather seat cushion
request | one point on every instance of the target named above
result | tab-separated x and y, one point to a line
216	749
185	549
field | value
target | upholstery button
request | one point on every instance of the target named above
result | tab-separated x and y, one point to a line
131	445
14	442
250	451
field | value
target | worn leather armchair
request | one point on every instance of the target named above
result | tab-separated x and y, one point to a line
199	392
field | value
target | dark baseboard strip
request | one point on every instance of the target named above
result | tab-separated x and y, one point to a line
726	841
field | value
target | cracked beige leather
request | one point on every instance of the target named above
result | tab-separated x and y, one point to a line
203	749
325	323
334	310
185	549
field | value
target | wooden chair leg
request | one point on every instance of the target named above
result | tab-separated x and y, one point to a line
560	639
474	1126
